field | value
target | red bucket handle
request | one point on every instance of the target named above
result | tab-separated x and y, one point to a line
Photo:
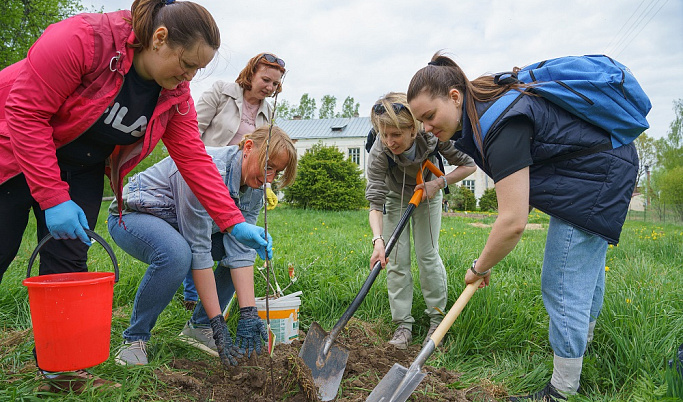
93	236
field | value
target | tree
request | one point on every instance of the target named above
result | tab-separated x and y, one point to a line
463	199
671	185
306	108
670	148
326	180
488	200
350	107
283	110
647	153
23	21
328	104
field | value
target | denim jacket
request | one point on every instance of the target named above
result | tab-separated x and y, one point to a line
161	191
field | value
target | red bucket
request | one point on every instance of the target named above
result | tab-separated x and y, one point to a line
71	314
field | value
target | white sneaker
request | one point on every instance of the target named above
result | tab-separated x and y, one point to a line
132	354
199	337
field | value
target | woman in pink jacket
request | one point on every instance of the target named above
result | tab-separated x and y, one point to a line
94	95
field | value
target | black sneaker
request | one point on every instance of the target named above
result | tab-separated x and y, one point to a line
547	394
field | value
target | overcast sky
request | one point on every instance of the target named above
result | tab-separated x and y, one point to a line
366	48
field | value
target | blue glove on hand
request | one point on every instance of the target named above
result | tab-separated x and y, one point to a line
67	221
250	332
224	345
255	237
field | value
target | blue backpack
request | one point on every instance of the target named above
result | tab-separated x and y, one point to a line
595	88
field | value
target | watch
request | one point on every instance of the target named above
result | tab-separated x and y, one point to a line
379	237
479	274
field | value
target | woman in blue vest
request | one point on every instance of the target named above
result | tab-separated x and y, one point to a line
586	196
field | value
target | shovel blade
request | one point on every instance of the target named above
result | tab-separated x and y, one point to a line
398	377
327	370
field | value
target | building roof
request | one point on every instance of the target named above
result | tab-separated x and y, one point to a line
340	127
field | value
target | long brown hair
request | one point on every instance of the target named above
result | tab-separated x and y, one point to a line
443	74
247	73
279	143
187	23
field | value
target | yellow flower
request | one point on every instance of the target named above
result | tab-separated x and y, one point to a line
606	268
628	301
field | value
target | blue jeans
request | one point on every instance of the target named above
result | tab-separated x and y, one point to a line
573	285
154	241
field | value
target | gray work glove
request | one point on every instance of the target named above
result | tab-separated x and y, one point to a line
250	332
221	335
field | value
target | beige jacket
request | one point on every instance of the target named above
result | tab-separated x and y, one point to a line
219	110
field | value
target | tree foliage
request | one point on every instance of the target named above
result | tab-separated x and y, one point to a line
462	199
671	187
306	107
23	21
489	200
283	110
647	154
327	106
327	180
350	107
670	148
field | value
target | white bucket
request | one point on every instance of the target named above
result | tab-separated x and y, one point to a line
284	316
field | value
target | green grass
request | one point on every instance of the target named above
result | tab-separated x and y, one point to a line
500	339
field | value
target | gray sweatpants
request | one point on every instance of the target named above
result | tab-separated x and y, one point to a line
433	279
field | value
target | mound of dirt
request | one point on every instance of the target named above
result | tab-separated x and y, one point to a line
285	377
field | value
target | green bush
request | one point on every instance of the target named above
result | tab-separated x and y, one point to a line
488	200
326	180
463	199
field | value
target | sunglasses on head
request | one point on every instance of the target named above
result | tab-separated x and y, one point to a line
272	59
379	108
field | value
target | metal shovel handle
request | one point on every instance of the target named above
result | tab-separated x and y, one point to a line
93	236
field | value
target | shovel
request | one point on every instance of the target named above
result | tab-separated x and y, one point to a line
400	382
326	360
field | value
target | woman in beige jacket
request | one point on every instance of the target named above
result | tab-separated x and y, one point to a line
227	111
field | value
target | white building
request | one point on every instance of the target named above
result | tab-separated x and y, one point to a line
349	136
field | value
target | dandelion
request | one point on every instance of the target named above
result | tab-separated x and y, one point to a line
606	268
628	301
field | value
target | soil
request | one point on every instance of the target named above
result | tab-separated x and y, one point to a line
285	377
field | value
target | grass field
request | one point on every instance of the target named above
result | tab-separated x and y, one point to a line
500	341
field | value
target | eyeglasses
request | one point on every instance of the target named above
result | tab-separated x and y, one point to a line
272	59
379	108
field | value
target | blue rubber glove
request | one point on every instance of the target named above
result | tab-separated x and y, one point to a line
221	335
255	237
251	332
67	221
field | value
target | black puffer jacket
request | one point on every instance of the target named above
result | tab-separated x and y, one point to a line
591	192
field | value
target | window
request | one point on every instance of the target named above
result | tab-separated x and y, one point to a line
354	155
469	184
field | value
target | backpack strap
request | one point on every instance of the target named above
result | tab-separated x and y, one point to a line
496	110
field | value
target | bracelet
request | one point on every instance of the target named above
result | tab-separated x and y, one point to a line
374	239
479	274
445	182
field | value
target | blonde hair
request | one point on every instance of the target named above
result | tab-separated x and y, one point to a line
279	143
403	119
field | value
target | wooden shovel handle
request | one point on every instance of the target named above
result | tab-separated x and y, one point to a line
455	311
